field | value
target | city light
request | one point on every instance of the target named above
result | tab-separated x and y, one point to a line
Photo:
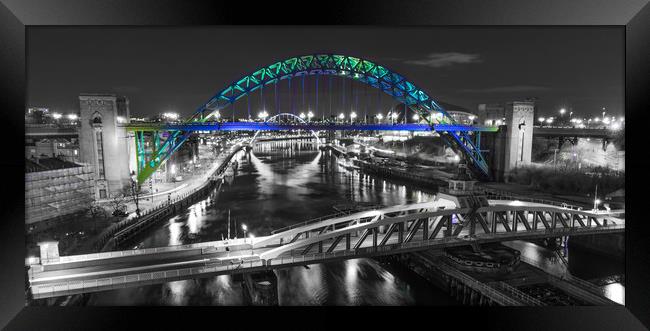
56	116
216	115
615	126
353	115
170	116
471	117
244	227
380	117
549	120
562	111
303	116
73	117
310	115
341	116
596	119
416	117
541	119
395	116
263	114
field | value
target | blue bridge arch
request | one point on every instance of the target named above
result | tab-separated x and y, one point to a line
354	68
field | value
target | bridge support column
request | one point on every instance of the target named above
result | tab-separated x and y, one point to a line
260	289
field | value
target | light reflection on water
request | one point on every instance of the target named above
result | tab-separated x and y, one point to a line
278	184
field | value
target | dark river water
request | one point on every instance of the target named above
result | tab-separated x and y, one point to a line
278	184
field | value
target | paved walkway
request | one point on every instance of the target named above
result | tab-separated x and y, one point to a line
171	190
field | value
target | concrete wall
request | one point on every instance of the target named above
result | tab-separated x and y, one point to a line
55	193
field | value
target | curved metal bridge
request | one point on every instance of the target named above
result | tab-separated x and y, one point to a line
391	230
357	69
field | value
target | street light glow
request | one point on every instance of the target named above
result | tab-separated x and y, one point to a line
244	227
380	117
342	116
416	117
72	117
263	114
353	115
562	111
56	116
303	116
541	119
171	116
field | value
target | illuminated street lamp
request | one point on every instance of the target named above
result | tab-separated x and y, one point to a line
380	117
342	116
303	116
471	118
263	115
170	116
56	116
562	111
310	115
541	120
216	115
416	117
73	117
353	115
549	120
245	228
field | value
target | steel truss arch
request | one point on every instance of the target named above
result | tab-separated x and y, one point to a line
354	68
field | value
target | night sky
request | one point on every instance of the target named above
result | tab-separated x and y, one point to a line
178	69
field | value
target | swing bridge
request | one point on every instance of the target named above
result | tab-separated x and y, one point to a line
470	220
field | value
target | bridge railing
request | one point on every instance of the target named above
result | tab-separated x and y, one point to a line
60	288
494	194
326	217
517	294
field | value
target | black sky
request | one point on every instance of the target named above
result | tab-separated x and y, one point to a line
178	69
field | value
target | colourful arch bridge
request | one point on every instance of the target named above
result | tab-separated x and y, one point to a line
360	70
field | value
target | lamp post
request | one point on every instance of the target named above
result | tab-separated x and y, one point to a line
134	193
379	117
342	117
353	115
541	121
245	228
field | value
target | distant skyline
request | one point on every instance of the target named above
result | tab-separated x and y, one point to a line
178	69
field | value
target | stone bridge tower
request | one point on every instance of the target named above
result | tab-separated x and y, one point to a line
104	144
520	117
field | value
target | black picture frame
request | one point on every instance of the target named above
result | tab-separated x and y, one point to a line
17	15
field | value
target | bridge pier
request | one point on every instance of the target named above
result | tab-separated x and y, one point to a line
260	289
